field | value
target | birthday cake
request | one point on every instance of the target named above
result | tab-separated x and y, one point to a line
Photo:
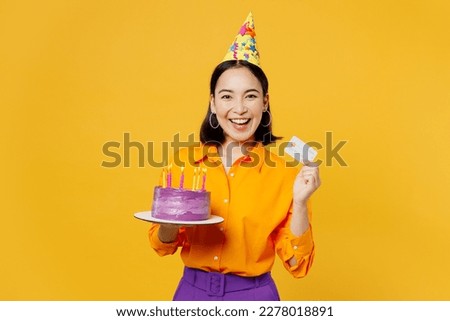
175	204
180	204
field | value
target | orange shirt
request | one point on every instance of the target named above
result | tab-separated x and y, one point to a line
255	199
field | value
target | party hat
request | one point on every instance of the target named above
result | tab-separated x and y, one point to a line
244	45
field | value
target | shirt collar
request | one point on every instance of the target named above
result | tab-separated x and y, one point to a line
210	152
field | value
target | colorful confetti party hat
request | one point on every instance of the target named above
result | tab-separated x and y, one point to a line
244	45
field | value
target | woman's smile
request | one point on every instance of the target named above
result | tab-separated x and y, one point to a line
238	103
240	121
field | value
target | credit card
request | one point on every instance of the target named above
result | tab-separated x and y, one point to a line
300	150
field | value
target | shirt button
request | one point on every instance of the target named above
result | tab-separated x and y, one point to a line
295	247
216	258
225	200
221	229
232	174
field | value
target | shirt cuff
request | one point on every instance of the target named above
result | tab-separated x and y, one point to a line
301	247
160	247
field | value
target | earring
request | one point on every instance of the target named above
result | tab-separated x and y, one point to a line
270	118
210	121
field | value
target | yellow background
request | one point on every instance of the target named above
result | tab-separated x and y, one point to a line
77	74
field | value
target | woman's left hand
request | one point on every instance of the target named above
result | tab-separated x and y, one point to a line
306	183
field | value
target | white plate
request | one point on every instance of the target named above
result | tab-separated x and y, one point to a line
147	216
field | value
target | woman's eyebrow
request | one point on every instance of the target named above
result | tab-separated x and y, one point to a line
230	91
227	90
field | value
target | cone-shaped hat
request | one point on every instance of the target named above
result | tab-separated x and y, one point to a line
244	45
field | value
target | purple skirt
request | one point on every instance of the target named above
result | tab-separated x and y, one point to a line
198	285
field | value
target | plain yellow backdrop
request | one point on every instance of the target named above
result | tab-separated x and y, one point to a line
75	75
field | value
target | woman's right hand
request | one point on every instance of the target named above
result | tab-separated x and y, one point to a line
168	232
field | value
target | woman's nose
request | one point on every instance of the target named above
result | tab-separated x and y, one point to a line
240	107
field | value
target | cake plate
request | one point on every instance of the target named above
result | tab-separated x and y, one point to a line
147	216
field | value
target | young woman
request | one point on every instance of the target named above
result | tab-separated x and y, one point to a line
264	202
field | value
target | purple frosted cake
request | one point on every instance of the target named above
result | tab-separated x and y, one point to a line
180	204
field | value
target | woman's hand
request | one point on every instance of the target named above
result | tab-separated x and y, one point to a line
168	232
306	183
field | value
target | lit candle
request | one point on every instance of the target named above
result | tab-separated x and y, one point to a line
197	182
169	176
164	181
194	180
204	179
182	177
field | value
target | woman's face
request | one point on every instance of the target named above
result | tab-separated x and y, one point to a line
238	102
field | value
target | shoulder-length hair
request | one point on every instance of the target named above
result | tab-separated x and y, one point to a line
215	136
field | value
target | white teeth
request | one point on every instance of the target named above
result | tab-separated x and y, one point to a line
239	121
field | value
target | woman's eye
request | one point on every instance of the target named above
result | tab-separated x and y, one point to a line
252	96
226	97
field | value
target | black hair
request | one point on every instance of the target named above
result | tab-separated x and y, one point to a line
215	136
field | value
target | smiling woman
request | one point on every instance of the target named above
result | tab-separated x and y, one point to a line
265	208
235	86
239	104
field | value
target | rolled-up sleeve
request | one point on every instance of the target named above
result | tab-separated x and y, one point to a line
300	247
164	248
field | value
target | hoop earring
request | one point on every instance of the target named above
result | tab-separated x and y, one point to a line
270	119
210	122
